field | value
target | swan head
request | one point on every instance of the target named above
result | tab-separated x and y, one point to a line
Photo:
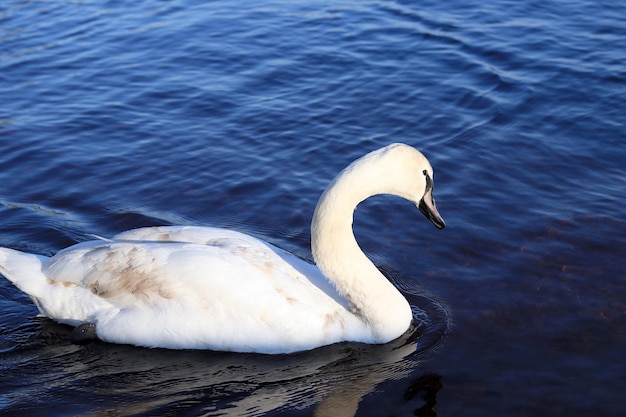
404	171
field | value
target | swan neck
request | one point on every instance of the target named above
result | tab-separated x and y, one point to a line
337	254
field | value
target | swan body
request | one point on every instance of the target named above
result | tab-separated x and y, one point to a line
185	287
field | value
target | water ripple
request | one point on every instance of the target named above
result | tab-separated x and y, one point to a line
216	113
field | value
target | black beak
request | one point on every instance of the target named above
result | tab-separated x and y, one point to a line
427	206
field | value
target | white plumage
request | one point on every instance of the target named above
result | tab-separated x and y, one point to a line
188	287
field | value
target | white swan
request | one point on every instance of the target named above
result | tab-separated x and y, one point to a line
209	288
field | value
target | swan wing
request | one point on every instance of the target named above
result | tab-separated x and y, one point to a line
239	244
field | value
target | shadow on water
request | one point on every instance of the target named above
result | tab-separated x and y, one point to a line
104	379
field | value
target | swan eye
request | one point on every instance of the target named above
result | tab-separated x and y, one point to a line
429	181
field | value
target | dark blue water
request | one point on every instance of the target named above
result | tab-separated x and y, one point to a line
115	115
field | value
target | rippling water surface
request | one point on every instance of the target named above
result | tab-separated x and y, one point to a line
115	115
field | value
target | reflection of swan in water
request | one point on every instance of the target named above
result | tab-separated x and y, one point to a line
208	288
330	381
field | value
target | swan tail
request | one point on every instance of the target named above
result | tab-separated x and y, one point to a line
63	302
24	270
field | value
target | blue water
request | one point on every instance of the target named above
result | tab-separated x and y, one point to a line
115	115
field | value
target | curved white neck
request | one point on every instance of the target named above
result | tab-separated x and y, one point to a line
335	251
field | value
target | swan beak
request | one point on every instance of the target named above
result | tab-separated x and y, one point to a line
429	209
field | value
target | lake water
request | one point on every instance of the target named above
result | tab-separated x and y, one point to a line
116	115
